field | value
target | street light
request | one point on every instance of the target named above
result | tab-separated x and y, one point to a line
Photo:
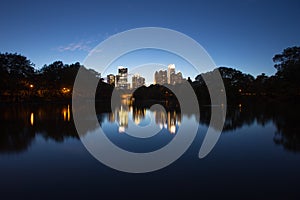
65	90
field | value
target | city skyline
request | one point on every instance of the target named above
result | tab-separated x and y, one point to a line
161	76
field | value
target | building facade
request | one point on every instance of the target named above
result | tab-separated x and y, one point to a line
122	78
160	77
171	74
168	76
137	81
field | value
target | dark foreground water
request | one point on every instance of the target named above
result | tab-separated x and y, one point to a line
257	155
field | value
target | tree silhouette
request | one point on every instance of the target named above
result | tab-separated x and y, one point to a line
16	75
288	70
288	63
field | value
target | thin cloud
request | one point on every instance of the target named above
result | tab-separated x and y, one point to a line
84	45
79	46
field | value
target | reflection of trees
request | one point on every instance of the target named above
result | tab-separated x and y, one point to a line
54	122
16	134
138	114
283	115
288	128
21	123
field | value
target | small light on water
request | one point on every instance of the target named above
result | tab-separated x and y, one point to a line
32	118
65	114
68	112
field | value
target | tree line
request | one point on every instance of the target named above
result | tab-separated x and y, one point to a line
283	85
20	81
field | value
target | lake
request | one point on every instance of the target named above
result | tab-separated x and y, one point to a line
256	156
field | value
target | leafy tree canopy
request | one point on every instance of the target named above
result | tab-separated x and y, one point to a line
288	64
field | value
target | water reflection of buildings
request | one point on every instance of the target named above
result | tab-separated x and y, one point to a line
122	116
111	117
170	122
138	115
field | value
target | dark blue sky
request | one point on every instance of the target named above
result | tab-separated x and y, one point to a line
244	34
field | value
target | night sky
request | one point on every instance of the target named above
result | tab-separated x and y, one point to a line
244	34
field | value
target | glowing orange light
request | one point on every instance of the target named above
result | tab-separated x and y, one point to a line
31	119
31	86
68	112
65	90
65	114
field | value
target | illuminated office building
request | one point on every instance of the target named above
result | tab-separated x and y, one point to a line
137	81
171	74
122	78
160	77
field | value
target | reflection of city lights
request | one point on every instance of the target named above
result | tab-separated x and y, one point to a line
138	115
240	107
123	118
161	126
111	117
169	121
121	129
137	120
172	122
67	114
160	118
31	118
172	129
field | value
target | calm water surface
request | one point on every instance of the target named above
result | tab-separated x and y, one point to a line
257	155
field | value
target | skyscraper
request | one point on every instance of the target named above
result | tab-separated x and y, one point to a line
137	81
178	78
122	78
171	74
160	77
